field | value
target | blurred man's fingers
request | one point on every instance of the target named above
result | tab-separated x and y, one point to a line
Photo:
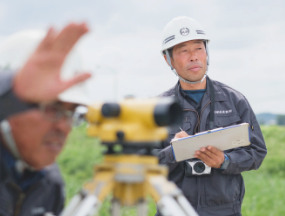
47	42
69	36
76	80
45	66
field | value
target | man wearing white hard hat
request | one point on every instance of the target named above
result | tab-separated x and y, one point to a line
38	97
207	104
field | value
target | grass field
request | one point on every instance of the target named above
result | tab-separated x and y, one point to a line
265	188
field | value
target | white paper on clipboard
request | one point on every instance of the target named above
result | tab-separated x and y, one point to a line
222	138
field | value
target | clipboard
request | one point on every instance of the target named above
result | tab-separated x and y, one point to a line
222	138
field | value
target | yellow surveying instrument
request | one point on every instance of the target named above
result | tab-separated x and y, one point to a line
131	174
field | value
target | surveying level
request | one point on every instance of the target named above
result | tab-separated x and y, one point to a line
133	124
133	173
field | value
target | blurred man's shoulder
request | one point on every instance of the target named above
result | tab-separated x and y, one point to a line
229	91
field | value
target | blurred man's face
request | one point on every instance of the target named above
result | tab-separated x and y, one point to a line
40	134
190	60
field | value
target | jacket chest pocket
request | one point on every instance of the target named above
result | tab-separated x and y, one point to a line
185	125
226	120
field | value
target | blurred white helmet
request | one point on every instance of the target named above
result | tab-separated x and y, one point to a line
179	30
17	49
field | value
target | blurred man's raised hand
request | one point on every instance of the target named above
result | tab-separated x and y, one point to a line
39	79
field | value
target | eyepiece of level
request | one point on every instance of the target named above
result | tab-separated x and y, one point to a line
111	110
167	112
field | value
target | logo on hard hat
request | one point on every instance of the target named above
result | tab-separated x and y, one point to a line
184	31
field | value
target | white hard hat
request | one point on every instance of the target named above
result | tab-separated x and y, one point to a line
17	49
179	30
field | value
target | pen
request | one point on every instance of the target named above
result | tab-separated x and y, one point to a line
180	128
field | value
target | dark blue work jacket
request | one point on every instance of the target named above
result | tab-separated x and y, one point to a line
222	192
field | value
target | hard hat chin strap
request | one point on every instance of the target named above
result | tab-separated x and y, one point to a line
182	79
11	145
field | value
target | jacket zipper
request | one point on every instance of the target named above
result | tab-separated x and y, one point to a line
199	194
22	197
19	204
203	110
198	124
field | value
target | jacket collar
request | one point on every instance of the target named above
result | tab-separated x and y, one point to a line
219	95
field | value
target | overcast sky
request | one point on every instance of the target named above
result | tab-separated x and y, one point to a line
123	48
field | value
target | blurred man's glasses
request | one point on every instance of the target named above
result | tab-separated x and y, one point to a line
56	112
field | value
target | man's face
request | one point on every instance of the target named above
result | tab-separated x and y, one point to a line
40	134
190	60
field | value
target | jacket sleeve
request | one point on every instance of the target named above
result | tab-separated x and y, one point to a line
249	157
9	103
165	156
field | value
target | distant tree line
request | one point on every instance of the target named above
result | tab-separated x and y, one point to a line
280	119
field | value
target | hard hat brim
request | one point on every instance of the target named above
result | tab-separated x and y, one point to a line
174	43
72	95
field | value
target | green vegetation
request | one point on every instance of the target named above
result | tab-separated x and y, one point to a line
265	188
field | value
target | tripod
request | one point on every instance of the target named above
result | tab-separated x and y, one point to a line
130	178
133	173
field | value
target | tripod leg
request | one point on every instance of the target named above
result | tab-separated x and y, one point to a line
169	207
82	204
169	199
185	205
116	207
88	202
75	201
88	207
142	208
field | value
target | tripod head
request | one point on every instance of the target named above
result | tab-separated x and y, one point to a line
135	125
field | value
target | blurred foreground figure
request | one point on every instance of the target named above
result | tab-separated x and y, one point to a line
37	103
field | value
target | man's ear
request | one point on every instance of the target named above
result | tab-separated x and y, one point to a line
166	59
